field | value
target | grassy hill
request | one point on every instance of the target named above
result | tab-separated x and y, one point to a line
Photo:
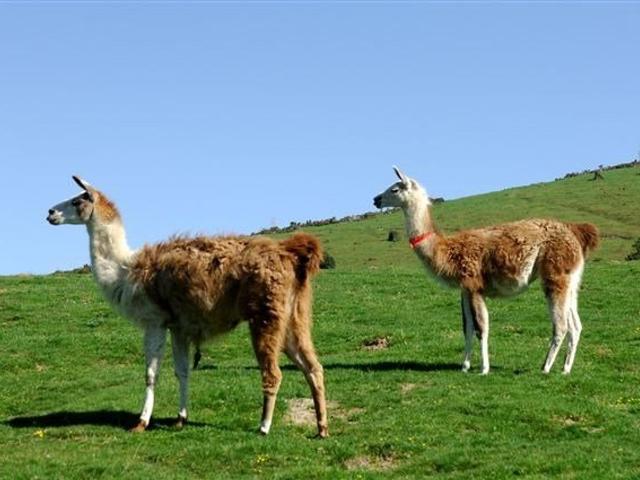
612	204
72	371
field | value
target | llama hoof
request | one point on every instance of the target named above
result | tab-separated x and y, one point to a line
466	366
140	427
566	372
180	422
323	432
484	373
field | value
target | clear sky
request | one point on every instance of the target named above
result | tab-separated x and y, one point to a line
227	117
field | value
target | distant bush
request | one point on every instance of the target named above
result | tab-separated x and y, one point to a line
328	262
327	221
635	252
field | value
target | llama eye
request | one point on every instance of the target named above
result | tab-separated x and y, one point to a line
395	190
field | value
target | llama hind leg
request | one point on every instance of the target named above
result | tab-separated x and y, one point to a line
575	328
467	329
180	347
154	343
267	343
299	349
560	312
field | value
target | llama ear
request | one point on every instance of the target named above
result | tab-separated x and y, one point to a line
86	186
403	178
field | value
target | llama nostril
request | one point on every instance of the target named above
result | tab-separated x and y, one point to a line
51	211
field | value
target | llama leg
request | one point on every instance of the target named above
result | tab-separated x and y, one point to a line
300	350
154	341
575	328
180	347
480	318
467	330
559	311
267	342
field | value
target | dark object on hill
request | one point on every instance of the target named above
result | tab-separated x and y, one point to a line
82	270
328	262
393	236
597	174
635	253
437	200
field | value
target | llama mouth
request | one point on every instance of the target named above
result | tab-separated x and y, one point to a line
53	220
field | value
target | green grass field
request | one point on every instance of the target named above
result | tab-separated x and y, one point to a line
71	376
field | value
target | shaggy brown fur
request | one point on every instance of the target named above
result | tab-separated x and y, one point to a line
500	261
208	285
492	261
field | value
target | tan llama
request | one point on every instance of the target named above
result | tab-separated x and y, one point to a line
500	261
198	288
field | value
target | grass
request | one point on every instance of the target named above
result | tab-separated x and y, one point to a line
72	371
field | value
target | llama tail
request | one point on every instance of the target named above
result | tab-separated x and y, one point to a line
587	234
307	252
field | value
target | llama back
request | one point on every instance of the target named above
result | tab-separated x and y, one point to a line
193	271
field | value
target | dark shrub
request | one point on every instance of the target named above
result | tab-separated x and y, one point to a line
328	262
635	252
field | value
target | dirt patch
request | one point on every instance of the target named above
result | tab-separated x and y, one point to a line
365	462
378	343
567	420
300	411
407	387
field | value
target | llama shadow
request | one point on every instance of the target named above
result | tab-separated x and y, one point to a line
101	418
384	366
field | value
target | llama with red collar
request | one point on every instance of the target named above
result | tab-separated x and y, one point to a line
201	287
500	261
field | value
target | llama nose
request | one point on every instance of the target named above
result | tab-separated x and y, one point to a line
51	211
376	201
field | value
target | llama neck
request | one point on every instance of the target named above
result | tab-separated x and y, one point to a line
417	218
110	253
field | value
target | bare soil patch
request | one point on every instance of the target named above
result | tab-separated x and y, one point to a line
378	343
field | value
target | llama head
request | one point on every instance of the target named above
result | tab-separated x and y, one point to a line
401	194
83	208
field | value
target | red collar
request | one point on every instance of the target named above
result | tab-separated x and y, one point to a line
414	241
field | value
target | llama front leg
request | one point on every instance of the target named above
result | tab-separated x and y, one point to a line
480	317
467	329
180	347
154	342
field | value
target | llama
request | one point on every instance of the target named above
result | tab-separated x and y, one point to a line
499	261
201	287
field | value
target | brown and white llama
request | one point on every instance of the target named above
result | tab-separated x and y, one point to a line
201	287
499	261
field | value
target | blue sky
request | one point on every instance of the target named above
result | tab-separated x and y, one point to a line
230	117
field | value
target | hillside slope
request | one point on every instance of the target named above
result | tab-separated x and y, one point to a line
611	204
